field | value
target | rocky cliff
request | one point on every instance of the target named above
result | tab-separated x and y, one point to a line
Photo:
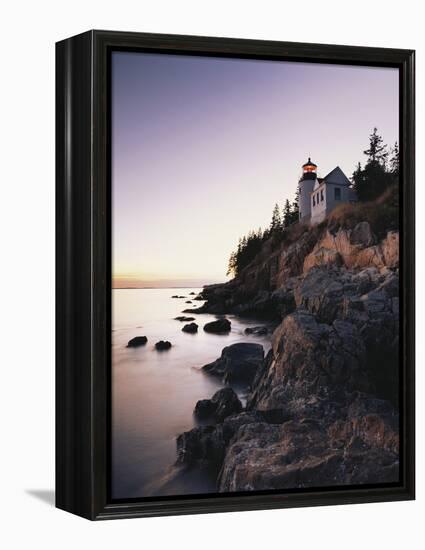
323	404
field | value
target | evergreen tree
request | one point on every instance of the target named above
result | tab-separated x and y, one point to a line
378	151
287	214
276	223
232	265
371	181
296	206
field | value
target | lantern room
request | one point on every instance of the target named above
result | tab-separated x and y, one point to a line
309	166
309	170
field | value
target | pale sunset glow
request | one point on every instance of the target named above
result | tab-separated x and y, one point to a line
202	149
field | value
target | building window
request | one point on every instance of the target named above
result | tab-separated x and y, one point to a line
314	202
321	195
337	194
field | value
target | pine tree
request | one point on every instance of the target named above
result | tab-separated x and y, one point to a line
276	223
377	151
232	265
286	214
296	206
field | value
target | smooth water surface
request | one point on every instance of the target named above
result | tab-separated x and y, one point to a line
154	393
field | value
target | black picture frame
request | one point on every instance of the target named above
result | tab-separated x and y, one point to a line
83	272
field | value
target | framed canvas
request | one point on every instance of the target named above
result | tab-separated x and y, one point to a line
235	274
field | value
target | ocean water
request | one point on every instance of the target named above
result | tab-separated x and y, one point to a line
154	393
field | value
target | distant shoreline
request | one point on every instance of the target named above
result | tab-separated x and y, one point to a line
152	287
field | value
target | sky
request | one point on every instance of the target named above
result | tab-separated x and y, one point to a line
203	147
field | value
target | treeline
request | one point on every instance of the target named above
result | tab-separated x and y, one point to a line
250	245
380	172
381	169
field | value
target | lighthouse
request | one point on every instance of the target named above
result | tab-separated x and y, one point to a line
319	196
306	186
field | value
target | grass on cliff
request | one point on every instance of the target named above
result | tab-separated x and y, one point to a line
382	214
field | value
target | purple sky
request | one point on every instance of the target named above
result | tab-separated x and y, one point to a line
202	149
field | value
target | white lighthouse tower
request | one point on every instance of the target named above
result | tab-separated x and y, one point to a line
306	186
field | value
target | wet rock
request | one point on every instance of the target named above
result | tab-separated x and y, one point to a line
163	345
137	341
202	446
221	326
205	446
192	328
204	409
184	318
224	403
238	363
195	310
257	331
188	302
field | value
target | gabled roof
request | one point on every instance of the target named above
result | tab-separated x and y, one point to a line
337	176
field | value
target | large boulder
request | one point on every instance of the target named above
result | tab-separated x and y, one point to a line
206	445
311	361
223	403
238	363
299	454
137	341
221	326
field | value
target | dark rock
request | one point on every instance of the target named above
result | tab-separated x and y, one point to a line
176	296
227	403
323	407
224	403
204	409
200	309
202	446
192	293
183	318
188	302
299	454
238	363
258	331
191	328
206	445
221	326
163	345
137	341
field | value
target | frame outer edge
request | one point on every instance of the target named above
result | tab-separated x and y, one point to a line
74	417
82	271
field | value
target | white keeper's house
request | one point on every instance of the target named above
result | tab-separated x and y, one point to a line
319	196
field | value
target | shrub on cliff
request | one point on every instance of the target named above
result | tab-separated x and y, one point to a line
382	214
